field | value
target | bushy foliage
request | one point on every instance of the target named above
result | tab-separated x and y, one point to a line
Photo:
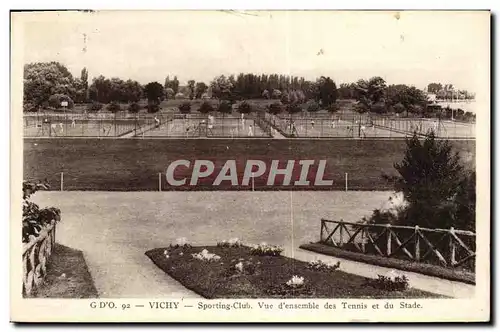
114	107
285	97
45	79
322	266
438	190
398	283
153	108
225	107
275	108
264	249
134	108
34	218
154	92
28	107
312	106
206	107
56	99
332	108
95	107
293	108
185	107
244	107
399	108
105	90
325	91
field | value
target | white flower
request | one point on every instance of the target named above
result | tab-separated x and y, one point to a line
239	267
181	254
204	255
295	281
165	252
167	256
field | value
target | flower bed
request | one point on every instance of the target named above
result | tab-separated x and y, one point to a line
240	272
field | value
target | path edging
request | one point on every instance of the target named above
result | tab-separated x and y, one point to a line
422	268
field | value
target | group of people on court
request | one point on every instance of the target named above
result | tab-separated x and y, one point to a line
54	126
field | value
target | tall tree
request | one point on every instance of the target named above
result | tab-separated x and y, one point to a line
175	85
221	87
200	89
434	87
154	92
43	79
191	87
370	93
326	91
435	184
84	78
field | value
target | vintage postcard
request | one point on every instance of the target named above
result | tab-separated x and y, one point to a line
250	166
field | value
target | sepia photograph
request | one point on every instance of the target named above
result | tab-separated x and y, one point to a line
175	165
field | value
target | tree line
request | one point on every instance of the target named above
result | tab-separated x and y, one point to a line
47	84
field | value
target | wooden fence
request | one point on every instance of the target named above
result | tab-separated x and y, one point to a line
446	247
36	254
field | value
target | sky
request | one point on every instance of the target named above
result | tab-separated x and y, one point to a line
413	48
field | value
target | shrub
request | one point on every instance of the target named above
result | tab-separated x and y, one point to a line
95	107
387	283
264	249
430	176
285	98
225	107
185	107
399	108
114	107
134	108
275	108
206	108
323	267
56	99
28	107
153	108
313	107
34	218
244	107
293	108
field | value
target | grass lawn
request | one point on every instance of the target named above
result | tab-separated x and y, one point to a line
134	164
219	279
67	276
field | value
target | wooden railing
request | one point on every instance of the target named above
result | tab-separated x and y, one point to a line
447	247
36	254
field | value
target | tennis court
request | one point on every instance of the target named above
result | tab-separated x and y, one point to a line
206	127
367	126
88	125
84	128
